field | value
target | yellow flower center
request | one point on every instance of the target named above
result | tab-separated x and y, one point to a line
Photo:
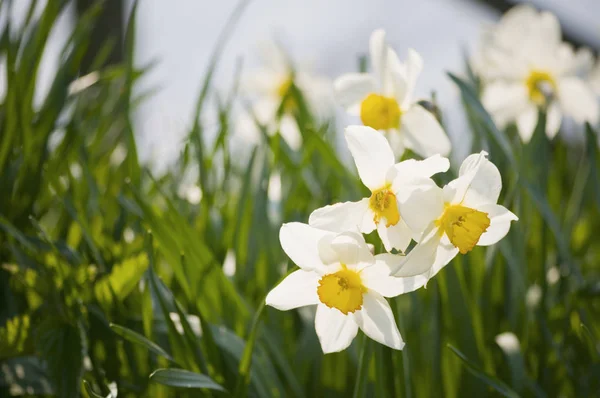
342	290
540	84
283	91
464	226
383	203
380	112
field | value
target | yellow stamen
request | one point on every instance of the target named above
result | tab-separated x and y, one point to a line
342	290
283	91
539	85
464	226
380	112
384	204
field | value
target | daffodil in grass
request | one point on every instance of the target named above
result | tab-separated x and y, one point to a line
525	66
384	100
455	218
271	89
390	184
348	284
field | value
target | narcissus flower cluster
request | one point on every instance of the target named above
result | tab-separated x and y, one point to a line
525	66
338	272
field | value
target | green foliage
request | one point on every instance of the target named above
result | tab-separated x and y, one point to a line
108	276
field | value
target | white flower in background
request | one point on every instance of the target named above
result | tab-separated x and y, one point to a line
271	88
384	99
463	214
345	281
388	183
264	113
525	65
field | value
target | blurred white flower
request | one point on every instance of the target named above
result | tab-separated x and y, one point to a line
192	320
553	275
190	192
271	88
384	100
463	214
508	342
389	185
229	264
348	284
525	66
533	296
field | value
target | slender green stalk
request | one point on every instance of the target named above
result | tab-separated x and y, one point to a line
362	375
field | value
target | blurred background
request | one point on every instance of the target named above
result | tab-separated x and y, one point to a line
178	38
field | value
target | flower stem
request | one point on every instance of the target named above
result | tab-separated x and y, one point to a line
363	368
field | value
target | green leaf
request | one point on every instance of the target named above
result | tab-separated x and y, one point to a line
246	361
92	393
184	379
63	346
137	338
495	383
122	279
15	338
592	152
472	101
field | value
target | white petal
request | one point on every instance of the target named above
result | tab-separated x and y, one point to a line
377	277
395	84
352	88
340	217
421	203
526	122
553	119
412	169
298	289
301	243
396	141
376	320
372	155
505	101
335	330
444	254
486	182
379	52
414	66
395	237
423	133
500	219
288	128
578	100
351	248
421	258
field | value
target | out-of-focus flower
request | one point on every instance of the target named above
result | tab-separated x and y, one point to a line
271	89
525	66
533	296
508	342
390	184
463	214
384	100
348	284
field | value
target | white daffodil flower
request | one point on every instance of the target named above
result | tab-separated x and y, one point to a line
525	66
389	184
384	100
345	281
463	214
271	86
